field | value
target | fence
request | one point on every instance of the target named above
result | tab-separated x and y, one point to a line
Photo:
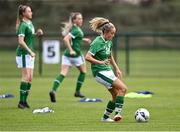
137	54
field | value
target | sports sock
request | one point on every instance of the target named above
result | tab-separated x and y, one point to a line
109	109
57	82
28	90
80	81
23	91
119	104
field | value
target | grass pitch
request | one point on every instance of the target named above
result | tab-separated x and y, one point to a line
156	71
72	115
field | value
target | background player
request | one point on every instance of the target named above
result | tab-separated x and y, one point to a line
25	55
73	39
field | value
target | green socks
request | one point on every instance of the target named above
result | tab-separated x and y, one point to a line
23	91
119	104
111	106
57	82
28	90
80	81
61	77
109	109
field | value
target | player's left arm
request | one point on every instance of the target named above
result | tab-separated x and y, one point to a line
115	66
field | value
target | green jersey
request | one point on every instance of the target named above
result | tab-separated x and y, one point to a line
27	31
77	39
100	49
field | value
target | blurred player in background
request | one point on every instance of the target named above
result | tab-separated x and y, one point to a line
73	39
25	55
100	55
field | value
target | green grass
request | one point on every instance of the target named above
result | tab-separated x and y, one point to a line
143	63
157	71
72	115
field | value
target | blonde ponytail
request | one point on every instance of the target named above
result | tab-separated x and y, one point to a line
17	18
68	25
20	11
17	23
97	23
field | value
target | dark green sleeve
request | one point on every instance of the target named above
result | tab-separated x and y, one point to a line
22	29
94	47
75	33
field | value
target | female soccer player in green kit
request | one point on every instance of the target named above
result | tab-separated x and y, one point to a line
73	39
25	55
100	56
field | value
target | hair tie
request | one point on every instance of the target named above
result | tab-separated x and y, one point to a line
103	24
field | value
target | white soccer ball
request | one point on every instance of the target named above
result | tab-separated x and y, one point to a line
142	115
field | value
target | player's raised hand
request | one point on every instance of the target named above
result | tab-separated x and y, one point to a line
39	32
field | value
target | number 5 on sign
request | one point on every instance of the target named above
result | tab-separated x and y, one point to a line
51	51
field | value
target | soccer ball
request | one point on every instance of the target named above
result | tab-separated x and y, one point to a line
142	115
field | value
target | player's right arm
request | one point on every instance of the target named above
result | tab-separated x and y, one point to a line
89	57
94	48
23	45
67	41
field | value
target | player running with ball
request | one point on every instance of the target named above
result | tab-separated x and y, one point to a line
100	55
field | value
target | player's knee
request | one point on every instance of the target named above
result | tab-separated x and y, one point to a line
122	90
83	70
25	78
30	79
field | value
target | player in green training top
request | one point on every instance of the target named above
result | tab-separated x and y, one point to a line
73	39
25	55
100	56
